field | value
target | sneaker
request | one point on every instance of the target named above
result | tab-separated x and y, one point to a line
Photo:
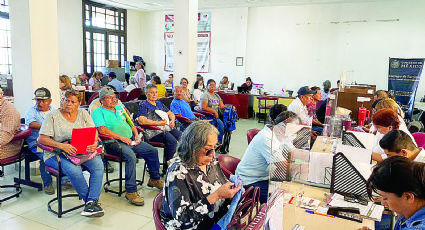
92	209
67	185
49	190
135	198
156	183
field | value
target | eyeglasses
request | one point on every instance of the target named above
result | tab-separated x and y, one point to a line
209	151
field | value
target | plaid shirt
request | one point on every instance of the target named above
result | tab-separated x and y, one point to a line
9	125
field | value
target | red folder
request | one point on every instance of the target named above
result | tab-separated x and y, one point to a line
81	138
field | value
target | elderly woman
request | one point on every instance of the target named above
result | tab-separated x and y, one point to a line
196	192
95	80
55	130
400	183
212	103
153	112
132	84
384	121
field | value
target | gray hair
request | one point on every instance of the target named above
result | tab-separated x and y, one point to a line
193	139
148	87
175	88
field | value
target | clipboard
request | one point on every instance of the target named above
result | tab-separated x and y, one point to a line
81	138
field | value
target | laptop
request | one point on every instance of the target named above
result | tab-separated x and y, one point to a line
243	89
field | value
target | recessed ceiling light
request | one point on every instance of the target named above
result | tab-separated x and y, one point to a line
251	0
152	4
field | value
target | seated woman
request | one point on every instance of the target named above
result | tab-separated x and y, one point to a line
384	121
225	84
212	103
255	164
248	83
96	80
56	129
153	112
196	192
132	84
198	90
162	92
400	183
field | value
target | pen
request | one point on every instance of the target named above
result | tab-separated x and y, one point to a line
318	213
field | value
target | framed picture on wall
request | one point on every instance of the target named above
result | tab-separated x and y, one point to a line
239	61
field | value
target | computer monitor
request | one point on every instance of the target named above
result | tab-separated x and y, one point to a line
243	89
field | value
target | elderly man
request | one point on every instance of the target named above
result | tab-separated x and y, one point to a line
180	106
34	117
110	119
170	81
9	125
80	80
140	74
298	106
115	83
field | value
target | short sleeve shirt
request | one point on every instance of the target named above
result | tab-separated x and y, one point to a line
113	120
33	114
60	130
213	100
147	110
183	108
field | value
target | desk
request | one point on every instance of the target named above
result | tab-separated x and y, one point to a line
282	100
242	102
321	147
293	215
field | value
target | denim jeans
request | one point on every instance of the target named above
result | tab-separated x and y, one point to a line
264	189
130	153
75	174
170	138
220	126
45	176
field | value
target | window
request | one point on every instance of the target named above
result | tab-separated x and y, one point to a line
5	47
105	36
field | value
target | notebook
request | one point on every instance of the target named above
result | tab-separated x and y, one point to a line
81	138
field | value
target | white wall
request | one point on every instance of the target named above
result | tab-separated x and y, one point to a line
292	46
134	34
70	31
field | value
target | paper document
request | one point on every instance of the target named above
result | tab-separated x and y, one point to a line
320	168
365	138
355	154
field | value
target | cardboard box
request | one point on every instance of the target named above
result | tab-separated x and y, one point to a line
111	63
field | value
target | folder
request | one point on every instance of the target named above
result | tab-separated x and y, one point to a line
81	138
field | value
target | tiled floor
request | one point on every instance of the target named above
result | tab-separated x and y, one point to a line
29	211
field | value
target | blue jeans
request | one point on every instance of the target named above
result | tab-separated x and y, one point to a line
264	189
170	138
45	176
220	126
75	174
142	150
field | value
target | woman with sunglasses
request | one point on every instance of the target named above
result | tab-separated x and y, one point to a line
255	164
400	183
196	192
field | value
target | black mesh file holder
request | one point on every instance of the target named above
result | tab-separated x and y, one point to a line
351	139
279	170
346	179
302	139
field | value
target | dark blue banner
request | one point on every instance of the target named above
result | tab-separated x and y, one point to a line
403	80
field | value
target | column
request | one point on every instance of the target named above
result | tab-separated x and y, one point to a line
185	40
35	52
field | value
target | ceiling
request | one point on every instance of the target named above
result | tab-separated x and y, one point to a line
158	5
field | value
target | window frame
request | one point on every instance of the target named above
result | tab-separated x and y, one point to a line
106	32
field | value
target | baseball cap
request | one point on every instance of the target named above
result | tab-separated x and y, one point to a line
105	91
42	94
305	90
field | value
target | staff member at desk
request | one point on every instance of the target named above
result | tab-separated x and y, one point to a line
248	83
384	121
400	183
399	143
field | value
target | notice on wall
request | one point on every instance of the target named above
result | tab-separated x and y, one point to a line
204	22
403	80
203	52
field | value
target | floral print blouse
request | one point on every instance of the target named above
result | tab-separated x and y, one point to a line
185	204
